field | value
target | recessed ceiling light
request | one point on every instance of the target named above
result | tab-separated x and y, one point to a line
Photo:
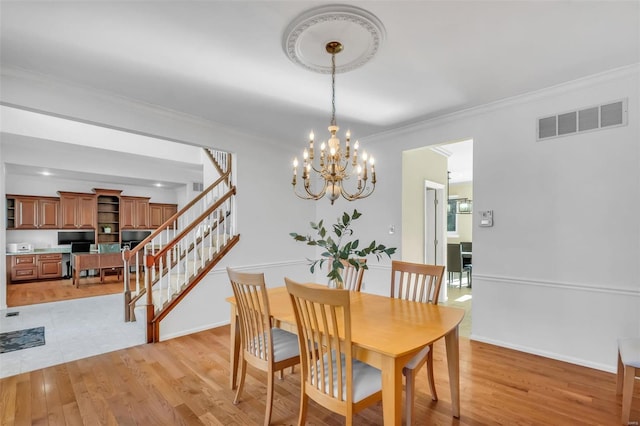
45	173
158	185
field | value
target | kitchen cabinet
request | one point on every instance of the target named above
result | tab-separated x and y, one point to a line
24	267
77	210
160	213
134	213
49	265
32	212
29	267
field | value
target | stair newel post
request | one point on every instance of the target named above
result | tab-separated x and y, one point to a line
127	285
151	332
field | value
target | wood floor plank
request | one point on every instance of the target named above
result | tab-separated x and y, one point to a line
23	401
8	395
31	293
184	381
55	413
38	396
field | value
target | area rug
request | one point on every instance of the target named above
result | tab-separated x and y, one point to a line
21	339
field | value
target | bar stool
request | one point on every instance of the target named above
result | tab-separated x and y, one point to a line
628	370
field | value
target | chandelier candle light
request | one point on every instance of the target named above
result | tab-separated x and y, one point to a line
335	163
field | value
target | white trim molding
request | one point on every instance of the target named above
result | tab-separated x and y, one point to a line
561	285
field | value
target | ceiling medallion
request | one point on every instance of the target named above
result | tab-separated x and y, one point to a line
359	30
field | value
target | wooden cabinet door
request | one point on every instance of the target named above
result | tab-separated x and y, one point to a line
168	210
134	213
155	215
160	213
126	213
50	266
86	218
78	211
142	214
68	211
26	213
48	213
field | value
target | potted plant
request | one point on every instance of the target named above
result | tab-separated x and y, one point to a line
338	249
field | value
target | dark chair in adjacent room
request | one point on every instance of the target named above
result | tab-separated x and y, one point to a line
465	259
454	261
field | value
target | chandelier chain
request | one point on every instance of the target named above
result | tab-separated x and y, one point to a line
333	89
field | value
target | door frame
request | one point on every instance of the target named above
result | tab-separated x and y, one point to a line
435	225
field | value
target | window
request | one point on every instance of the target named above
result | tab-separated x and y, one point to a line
452	217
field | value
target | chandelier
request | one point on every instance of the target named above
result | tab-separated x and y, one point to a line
336	163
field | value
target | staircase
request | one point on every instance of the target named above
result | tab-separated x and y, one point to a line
161	270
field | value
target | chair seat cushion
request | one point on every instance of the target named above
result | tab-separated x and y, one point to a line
630	351
367	380
418	360
285	344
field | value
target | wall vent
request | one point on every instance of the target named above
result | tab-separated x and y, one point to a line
198	186
612	114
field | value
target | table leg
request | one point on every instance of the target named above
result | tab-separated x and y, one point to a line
234	347
453	361
392	391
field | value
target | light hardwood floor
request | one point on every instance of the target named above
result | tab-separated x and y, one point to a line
185	381
31	293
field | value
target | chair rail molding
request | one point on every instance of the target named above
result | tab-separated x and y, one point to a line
558	284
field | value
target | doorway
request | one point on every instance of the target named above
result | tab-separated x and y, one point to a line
434	223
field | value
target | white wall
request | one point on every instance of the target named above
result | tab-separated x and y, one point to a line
568	285
566	288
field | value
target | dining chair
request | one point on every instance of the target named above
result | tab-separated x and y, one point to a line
419	283
466	248
352	278
628	370
264	347
454	261
331	377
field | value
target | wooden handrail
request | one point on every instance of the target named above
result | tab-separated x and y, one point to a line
162	247
161	229
151	258
216	165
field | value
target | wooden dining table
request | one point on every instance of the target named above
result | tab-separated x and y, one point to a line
386	334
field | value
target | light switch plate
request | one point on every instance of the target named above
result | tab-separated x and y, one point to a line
486	218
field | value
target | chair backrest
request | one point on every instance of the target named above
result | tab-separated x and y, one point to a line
351	278
254	319
323	318
454	263
416	281
466	246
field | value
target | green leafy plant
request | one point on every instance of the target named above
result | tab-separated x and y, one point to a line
338	249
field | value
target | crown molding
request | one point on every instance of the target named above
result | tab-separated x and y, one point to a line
569	86
152	109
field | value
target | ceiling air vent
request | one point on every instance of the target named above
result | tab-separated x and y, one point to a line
598	117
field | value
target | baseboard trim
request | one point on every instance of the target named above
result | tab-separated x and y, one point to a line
551	355
191	331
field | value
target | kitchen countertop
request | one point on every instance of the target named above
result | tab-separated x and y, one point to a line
43	251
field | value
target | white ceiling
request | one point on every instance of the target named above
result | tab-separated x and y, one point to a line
224	61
